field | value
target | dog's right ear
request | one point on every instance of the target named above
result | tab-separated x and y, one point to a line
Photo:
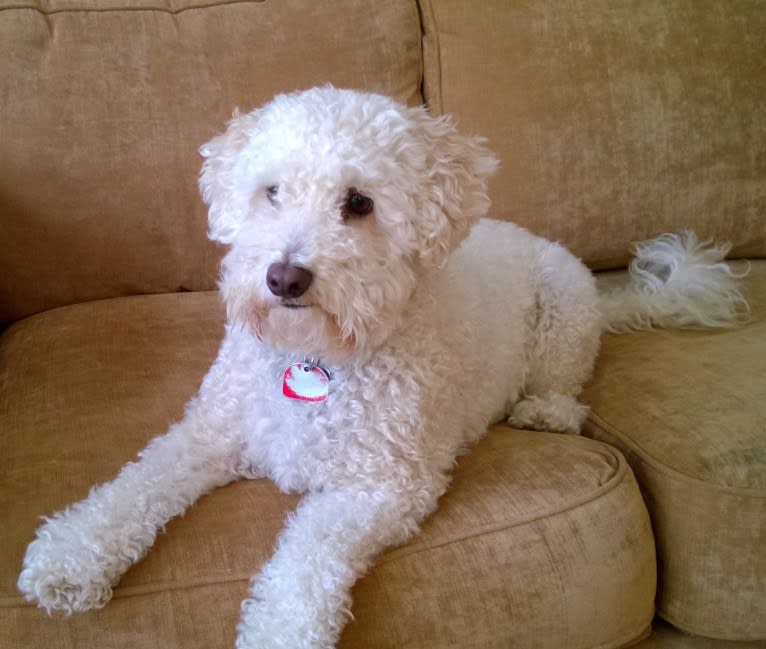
227	203
456	175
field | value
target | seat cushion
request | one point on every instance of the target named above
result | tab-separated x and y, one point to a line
542	541
688	408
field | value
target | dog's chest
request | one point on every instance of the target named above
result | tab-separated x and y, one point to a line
308	445
289	448
390	420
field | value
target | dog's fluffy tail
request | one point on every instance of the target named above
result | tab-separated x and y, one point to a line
676	280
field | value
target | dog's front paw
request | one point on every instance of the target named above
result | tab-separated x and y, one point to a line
65	571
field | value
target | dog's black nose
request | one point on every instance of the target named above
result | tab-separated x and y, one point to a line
286	280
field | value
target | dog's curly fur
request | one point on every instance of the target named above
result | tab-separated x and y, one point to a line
432	323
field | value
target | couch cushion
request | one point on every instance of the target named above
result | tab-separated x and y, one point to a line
542	541
104	105
625	118
688	408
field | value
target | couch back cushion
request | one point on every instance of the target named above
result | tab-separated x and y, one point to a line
104	105
614	121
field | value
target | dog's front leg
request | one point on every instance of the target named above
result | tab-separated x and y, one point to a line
301	599
82	551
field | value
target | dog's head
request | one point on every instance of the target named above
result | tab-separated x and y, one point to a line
334	202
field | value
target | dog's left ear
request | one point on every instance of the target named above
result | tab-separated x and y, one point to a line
458	170
218	180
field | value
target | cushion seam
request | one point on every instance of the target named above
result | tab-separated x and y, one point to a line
70	10
617	478
598	423
124	592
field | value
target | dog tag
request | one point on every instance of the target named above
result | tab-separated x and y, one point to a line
306	382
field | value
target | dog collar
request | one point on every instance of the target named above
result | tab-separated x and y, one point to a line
306	381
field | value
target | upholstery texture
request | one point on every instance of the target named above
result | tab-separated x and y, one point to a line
542	541
613	120
689	410
105	104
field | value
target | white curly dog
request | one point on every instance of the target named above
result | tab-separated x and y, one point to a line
375	328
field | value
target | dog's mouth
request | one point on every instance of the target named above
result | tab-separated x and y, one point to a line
304	328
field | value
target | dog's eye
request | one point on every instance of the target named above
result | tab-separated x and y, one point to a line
357	205
271	193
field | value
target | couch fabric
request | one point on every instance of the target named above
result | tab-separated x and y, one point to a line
623	118
689	411
614	121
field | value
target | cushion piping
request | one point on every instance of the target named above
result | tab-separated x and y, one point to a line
167	10
595	422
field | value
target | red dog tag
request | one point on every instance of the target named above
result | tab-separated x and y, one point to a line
306	382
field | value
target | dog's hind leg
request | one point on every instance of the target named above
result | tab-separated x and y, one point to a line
564	331
554	411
